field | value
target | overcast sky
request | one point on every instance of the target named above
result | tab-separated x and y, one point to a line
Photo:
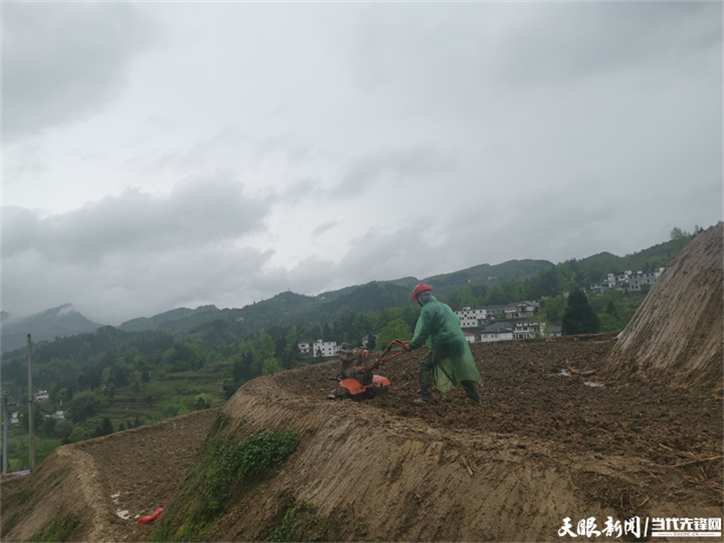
159	155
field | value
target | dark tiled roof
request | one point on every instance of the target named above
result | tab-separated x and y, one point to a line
497	328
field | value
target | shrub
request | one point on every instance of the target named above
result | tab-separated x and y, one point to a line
78	434
225	464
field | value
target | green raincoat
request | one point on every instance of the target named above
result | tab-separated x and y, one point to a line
439	328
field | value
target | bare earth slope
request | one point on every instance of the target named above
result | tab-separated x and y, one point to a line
143	466
677	335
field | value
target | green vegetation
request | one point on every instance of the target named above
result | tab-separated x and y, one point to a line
12	501
615	309
397	329
566	276
228	468
300	523
18	449
60	529
579	317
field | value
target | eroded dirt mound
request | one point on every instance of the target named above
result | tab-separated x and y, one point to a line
551	439
677	334
98	488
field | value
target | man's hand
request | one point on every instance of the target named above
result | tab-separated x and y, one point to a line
406	347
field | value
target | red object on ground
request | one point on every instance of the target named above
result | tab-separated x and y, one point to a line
156	514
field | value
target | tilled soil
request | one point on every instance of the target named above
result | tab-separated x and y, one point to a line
547	390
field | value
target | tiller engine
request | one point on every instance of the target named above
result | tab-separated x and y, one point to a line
356	378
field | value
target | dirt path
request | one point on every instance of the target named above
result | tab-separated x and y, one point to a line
91	483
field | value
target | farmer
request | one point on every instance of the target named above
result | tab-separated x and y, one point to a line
449	359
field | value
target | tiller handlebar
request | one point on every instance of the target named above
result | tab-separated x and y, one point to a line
381	360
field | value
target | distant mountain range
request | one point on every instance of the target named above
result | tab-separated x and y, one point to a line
57	322
292	308
284	307
288	307
142	323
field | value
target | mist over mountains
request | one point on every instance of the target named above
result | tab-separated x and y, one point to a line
292	308
45	326
65	320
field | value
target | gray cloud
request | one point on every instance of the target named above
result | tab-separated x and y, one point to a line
391	139
195	214
322	228
574	41
301	190
453	62
391	166
378	254
119	288
63	60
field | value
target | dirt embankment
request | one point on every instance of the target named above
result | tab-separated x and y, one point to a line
677	335
89	484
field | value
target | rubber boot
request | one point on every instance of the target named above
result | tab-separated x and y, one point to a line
425	386
470	390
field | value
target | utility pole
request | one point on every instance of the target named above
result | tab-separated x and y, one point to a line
6	420
31	433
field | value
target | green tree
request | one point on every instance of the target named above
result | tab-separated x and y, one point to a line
677	233
579	317
107	426
53	391
145	377
201	403
168	359
194	355
63	429
263	348
271	365
83	406
396	329
110	390
551	309
78	434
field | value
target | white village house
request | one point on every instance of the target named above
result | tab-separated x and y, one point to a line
59	416
475	317
640	279
627	281
470	318
500	331
528	329
325	348
319	348
521	310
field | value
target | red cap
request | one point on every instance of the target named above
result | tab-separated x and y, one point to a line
422	287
